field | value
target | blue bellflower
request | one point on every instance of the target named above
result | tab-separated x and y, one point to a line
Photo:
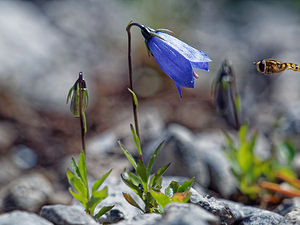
176	58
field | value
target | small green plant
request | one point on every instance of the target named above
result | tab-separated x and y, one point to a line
147	186
78	176
249	169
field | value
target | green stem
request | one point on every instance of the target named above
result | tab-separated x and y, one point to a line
134	107
83	133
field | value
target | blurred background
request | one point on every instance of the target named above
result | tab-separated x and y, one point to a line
44	44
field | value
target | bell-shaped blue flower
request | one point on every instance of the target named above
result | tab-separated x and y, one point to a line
176	58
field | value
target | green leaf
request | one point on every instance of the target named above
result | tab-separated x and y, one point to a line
157	176
134	187
186	186
131	201
135	179
98	183
244	157
161	199
76	183
141	170
152	159
82	168
96	198
172	188
79	197
75	169
103	210
134	97
253	142
136	139
181	197
243	132
128	155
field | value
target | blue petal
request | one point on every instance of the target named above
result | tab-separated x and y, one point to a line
200	65
192	54
173	63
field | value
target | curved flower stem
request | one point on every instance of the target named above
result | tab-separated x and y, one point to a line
134	107
81	116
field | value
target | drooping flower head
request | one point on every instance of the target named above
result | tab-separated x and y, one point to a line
176	58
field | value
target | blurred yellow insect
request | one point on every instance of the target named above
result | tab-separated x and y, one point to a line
269	66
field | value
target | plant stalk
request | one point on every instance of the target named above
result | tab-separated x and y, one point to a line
134	107
83	132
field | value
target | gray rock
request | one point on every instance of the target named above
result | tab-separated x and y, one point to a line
180	150
187	214
122	210
28	192
294	216
67	215
217	207
22	218
210	146
24	157
8	171
198	156
265	217
140	219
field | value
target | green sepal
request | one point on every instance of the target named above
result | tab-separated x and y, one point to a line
69	94
100	181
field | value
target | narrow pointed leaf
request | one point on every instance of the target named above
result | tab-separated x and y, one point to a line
96	198
158	175
186	186
134	97
136	139
130	184
103	210
75	169
141	170
128	155
76	183
100	181
82	167
79	197
152	159
131	201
